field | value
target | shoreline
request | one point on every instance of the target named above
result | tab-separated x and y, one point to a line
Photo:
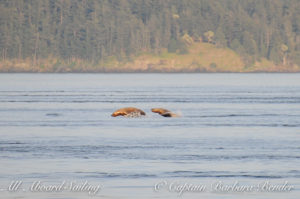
150	72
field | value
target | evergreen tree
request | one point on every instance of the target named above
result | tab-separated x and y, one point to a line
96	30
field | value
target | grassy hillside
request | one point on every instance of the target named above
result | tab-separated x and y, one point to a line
200	57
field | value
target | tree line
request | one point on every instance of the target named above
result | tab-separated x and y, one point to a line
97	30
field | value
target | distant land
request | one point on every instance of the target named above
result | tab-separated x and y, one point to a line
150	36
201	57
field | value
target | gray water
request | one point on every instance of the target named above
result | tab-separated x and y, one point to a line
233	128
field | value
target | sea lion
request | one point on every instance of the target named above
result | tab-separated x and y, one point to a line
128	112
164	112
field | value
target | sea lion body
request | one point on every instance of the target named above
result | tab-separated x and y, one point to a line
164	112
128	112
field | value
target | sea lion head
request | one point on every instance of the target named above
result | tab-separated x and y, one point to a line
164	112
160	110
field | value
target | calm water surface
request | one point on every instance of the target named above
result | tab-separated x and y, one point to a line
234	128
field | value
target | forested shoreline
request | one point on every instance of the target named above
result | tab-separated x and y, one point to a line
118	35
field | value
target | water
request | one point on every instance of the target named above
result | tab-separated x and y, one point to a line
234	128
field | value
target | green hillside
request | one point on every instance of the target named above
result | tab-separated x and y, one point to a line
149	35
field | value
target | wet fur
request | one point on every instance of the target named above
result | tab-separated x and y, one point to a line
128	112
164	112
